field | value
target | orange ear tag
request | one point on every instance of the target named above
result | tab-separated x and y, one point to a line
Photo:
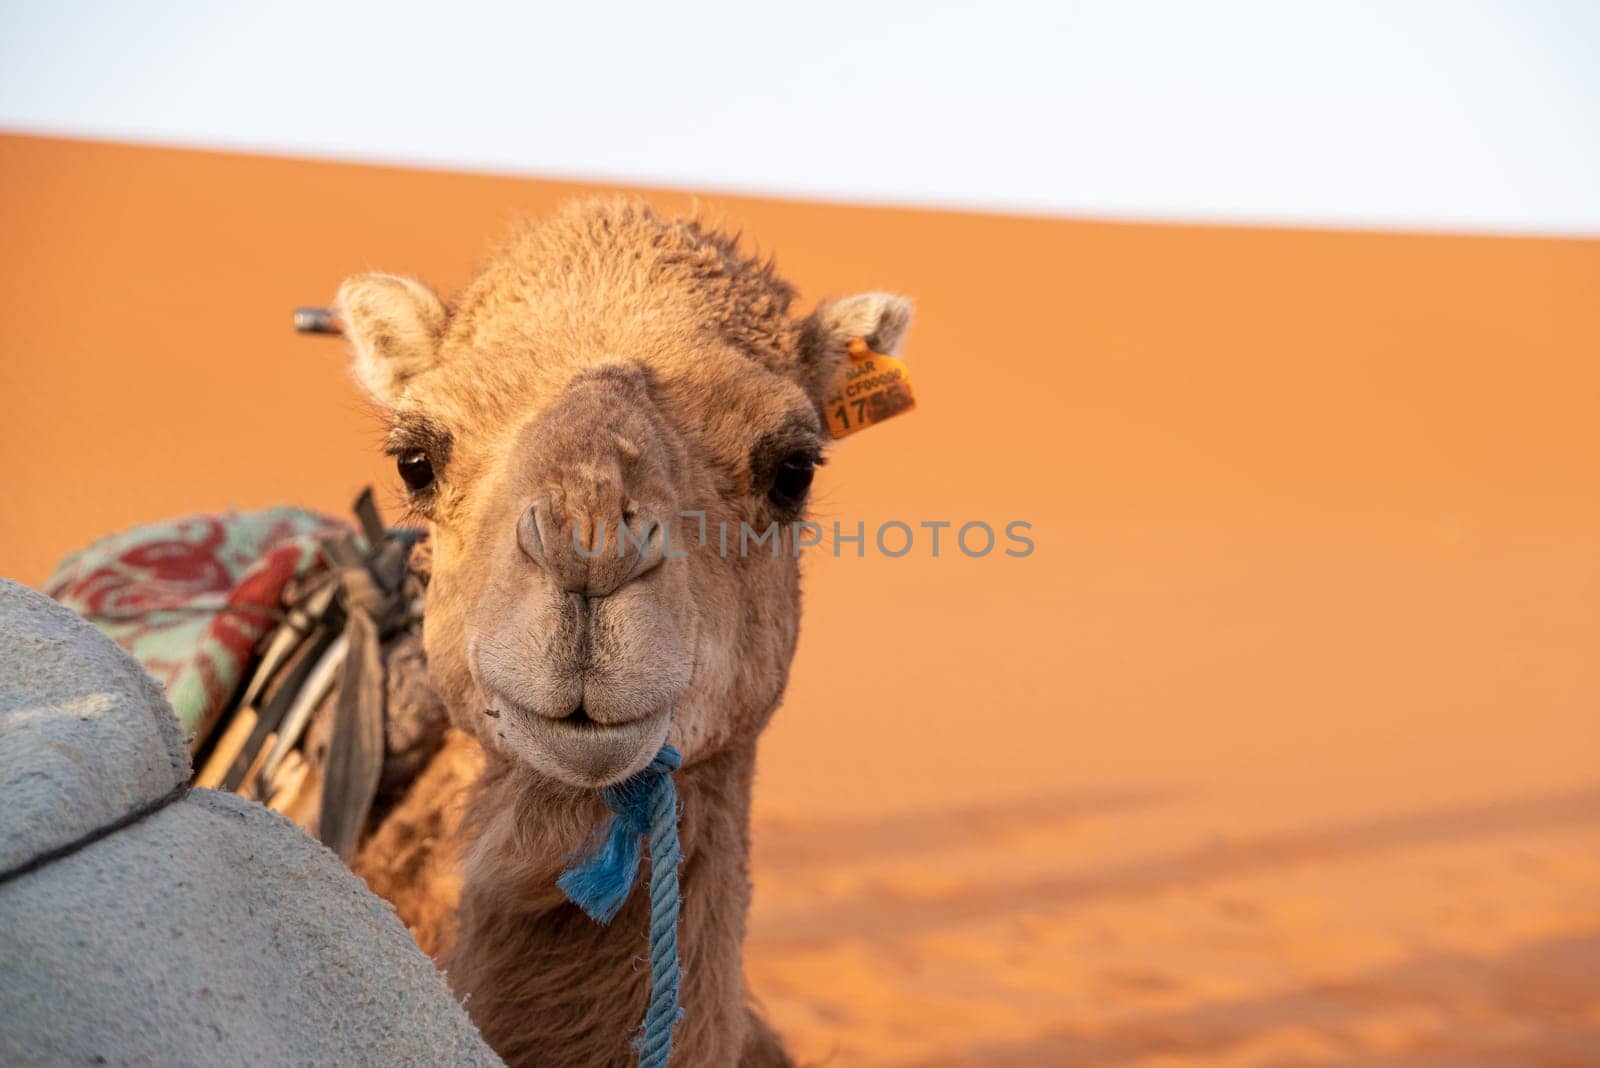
869	388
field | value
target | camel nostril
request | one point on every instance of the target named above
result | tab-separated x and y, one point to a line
650	549
530	536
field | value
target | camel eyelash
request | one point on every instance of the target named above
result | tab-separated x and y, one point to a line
794	437
420	435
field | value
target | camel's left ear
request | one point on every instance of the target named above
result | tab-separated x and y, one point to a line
880	319
395	325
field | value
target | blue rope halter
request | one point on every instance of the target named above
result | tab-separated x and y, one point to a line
644	806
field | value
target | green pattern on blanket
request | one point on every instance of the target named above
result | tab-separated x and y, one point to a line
190	598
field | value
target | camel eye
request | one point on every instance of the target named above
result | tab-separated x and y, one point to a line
792	481
416	470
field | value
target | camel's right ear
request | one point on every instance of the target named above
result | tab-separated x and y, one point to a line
395	325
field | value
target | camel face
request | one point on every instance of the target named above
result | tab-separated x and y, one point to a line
611	433
581	635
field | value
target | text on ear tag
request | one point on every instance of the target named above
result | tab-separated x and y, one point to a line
869	388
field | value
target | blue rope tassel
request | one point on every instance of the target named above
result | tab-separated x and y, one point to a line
644	806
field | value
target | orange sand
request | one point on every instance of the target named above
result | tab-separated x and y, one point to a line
1280	749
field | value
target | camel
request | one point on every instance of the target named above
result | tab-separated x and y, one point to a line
607	370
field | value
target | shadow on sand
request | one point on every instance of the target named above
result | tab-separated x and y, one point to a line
878	914
786	845
1536	1005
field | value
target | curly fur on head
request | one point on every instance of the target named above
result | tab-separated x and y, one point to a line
607	365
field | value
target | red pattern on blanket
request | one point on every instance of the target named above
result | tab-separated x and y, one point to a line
191	598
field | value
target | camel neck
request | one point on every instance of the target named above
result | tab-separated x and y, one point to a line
546	984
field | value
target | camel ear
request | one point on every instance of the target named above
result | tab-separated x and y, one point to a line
395	325
879	318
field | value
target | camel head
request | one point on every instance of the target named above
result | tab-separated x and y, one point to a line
598	431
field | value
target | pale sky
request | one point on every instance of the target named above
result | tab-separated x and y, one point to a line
1442	116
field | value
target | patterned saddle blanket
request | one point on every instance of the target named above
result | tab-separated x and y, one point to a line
289	645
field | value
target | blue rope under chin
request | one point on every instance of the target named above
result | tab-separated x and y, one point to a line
644	806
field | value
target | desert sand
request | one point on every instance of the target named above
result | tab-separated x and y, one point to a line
1281	748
